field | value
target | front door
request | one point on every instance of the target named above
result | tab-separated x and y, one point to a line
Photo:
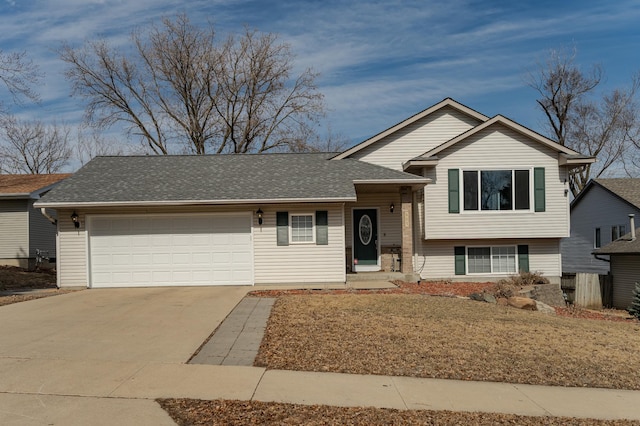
365	240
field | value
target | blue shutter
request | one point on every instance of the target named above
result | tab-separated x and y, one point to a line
282	224
454	191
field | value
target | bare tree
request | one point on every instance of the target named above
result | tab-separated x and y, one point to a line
329	142
180	86
19	75
32	147
604	127
94	144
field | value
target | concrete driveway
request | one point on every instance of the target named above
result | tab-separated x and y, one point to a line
89	343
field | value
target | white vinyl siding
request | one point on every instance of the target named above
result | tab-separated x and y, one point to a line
626	272
488	148
435	258
14	229
390	224
299	263
72	251
598	208
417	138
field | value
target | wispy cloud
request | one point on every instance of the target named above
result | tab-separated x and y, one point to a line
380	61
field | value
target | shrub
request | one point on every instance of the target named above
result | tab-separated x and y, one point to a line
504	288
507	287
634	309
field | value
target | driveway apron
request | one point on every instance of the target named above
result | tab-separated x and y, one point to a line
90	343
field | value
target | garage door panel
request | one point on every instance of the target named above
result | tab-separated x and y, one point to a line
201	258
121	260
140	259
140	277
181	259
161	240
139	240
170	250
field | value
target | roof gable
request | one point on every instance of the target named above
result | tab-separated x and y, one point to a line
501	120
28	185
219	179
625	189
448	102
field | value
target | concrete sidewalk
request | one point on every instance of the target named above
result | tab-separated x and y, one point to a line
132	384
102	357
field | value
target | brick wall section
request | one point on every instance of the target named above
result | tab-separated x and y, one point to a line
407	230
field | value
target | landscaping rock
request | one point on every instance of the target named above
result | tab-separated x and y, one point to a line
551	294
527	291
502	301
522	303
478	297
489	298
544	308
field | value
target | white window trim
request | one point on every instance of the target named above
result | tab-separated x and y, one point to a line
491	247
313	228
513	177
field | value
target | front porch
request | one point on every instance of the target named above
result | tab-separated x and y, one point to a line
379	231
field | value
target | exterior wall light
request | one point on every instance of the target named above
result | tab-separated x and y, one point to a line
259	213
75	219
391	207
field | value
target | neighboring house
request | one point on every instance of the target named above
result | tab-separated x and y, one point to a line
446	194
599	215
625	266
23	229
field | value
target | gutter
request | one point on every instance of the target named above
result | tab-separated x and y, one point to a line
600	258
49	218
190	202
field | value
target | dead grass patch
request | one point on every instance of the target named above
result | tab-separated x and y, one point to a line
12	278
224	412
20	285
448	338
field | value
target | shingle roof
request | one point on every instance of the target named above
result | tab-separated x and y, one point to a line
218	179
27	184
626	188
623	245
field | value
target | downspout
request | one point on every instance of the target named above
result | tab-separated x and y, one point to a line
43	210
632	223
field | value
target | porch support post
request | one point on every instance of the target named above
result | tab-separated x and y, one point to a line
406	199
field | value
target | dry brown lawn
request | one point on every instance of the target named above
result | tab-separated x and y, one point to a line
448	338
222	412
19	285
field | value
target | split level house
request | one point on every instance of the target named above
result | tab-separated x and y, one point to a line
599	216
24	231
448	193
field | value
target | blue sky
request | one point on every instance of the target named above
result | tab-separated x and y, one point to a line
380	61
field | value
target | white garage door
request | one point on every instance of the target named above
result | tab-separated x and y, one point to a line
170	250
